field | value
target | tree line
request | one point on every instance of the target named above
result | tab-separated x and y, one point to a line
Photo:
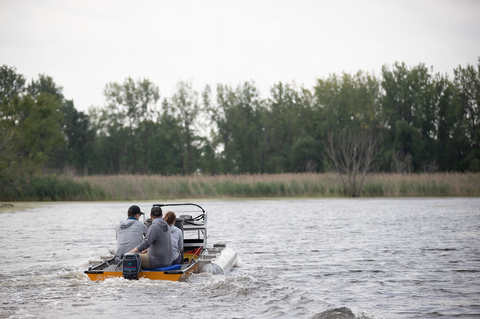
414	120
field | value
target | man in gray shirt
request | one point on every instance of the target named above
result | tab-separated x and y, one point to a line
129	232
158	241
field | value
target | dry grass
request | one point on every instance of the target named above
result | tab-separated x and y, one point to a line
148	187
411	185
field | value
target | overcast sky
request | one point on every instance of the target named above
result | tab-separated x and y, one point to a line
84	45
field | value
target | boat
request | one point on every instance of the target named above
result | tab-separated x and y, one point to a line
197	255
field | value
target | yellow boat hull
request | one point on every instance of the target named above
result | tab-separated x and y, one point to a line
153	275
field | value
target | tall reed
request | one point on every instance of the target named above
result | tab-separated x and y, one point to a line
412	185
169	187
138	187
49	188
152	187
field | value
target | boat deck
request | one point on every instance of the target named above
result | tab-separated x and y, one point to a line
113	268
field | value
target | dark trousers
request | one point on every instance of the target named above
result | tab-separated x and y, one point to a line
178	260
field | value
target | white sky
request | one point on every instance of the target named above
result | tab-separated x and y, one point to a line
84	45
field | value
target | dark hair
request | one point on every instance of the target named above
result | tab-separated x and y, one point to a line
133	210
170	218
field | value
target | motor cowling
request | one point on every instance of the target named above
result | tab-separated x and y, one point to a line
131	265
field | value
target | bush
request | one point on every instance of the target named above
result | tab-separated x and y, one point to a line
50	188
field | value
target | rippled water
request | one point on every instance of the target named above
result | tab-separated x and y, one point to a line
381	258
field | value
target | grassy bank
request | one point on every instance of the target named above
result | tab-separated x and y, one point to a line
126	187
148	187
49	188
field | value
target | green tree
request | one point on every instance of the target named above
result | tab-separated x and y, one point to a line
467	82
45	84
349	101
31	125
62	155
132	103
109	147
11	83
247	130
80	138
34	125
186	105
221	116
12	88
288	126
237	116
451	138
11	138
42	130
409	100
166	144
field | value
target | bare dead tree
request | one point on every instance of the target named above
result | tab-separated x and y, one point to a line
402	162
352	153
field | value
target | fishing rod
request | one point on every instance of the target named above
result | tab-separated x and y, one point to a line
197	251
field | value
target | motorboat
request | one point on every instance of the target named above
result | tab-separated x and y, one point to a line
197	255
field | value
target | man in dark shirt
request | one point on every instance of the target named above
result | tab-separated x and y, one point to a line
158	241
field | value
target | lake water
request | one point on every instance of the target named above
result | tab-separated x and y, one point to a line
381	258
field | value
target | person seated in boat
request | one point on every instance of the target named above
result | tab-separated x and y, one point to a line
158	241
129	232
177	237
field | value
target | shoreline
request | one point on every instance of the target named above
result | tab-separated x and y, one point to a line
223	187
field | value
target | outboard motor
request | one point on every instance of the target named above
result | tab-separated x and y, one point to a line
131	265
